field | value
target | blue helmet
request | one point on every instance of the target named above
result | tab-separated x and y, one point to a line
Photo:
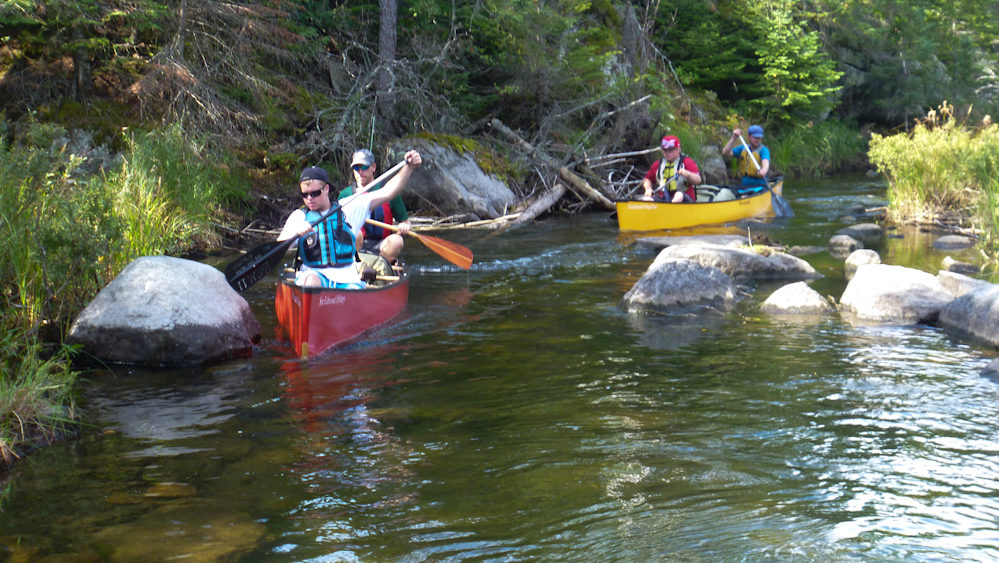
755	131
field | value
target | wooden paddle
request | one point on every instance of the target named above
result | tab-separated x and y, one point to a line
450	251
253	266
781	207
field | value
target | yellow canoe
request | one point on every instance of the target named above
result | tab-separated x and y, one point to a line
655	216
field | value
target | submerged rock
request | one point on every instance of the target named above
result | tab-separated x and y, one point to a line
957	266
186	530
842	246
867	233
953	242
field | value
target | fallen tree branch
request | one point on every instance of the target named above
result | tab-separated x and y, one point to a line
583	188
470	224
597	160
542	204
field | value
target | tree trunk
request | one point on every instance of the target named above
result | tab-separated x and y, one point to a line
387	36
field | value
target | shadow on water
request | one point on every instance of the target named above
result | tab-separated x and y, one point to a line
516	411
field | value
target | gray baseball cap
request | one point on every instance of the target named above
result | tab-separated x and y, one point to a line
364	157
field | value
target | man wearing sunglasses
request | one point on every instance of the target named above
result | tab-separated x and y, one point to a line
327	251
377	239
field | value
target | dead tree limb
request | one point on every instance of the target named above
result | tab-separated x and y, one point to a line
519	141
587	172
583	188
542	204
598	160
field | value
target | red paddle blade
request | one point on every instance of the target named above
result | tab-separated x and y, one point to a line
450	251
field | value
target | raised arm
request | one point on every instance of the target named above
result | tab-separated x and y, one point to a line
395	186
727	151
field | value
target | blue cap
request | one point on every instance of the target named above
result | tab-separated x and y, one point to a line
755	131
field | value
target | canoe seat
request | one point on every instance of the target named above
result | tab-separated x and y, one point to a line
708	192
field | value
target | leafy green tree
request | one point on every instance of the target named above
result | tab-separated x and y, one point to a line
798	79
536	55
760	53
710	50
902	58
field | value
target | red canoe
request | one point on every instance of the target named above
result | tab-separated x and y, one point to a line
316	319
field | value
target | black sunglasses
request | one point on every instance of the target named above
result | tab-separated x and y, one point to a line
361	166
313	193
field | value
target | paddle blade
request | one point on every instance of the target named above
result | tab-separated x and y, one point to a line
253	266
781	207
450	251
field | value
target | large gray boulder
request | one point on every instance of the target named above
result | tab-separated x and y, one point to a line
959	284
974	314
893	294
163	311
452	183
743	264
681	287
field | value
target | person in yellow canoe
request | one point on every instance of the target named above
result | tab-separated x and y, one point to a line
327	251
673	177
752	158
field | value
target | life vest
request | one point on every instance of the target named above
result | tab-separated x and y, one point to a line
746	166
332	243
667	178
381	213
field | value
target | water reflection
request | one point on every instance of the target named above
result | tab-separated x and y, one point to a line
162	418
518	412
672	332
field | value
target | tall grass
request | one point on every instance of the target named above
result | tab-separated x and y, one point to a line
944	166
36	405
63	237
813	150
986	167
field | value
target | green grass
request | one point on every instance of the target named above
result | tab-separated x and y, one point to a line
36	406
941	166
944	167
813	150
64	236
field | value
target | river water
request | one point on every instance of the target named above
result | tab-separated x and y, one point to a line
517	412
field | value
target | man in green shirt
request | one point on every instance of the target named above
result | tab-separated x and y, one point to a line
393	212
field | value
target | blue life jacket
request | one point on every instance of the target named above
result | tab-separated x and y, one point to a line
332	243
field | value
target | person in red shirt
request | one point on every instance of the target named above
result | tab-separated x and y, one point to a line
673	177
